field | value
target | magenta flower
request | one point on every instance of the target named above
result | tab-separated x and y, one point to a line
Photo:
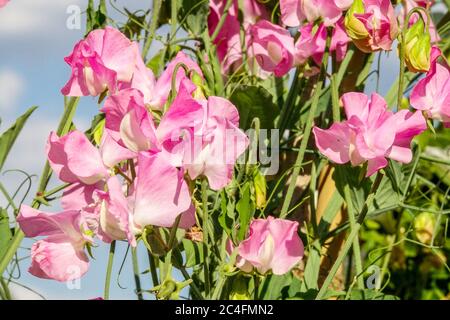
228	40
371	133
432	93
272	47
61	255
99	62
272	244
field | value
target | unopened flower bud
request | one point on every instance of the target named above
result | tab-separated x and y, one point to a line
417	48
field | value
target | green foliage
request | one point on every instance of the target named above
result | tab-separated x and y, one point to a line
254	102
194	252
96	18
8	138
5	231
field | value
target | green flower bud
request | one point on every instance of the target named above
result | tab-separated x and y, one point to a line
169	289
259	182
417	48
355	28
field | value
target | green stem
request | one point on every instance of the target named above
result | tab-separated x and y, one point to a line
173	21
6	291
356	248
63	128
8	197
195	290
205	236
153	272
435	160
112	249
173	232
256	290
137	279
286	111
349	242
218	288
309	123
222	20
153	26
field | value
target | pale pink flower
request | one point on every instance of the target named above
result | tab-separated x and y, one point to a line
3	3
272	244
294	12
207	141
159	195
61	255
371	133
432	93
163	85
272	47
99	62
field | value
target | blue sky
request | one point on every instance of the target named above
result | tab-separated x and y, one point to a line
34	40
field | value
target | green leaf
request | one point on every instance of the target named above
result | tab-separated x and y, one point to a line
274	284
8	138
246	208
194	14
312	268
368	294
194	253
254	102
96	19
155	63
5	231
226	216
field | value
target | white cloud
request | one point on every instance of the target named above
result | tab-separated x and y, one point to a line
11	87
25	17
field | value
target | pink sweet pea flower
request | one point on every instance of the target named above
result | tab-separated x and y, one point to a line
228	40
204	141
371	133
99	62
155	93
75	159
159	195
3	3
128	122
272	244
164	83
61	255
432	93
272	47
293	12
372	24
313	45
